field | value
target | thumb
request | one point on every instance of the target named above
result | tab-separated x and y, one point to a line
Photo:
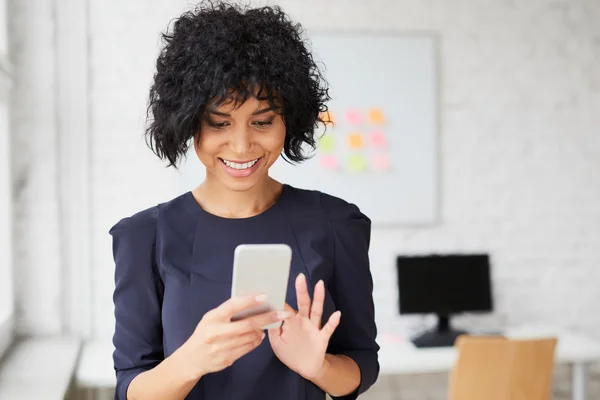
274	334
235	305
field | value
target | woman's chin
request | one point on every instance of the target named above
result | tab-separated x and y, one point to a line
242	184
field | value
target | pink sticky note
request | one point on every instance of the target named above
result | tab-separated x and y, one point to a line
353	117
381	162
329	162
378	139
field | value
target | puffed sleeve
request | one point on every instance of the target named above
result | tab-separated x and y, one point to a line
352	291
137	299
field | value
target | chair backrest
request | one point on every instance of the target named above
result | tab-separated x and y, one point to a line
532	369
497	368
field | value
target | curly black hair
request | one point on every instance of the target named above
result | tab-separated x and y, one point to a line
222	52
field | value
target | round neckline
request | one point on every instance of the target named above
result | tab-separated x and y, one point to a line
284	189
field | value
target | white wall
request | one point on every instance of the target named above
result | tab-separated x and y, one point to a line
50	151
520	150
6	276
6	219
125	176
520	147
34	161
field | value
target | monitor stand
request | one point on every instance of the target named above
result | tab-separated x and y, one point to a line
442	336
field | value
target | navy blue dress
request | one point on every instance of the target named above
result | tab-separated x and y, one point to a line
174	263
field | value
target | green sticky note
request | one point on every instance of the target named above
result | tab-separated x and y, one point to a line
327	143
357	163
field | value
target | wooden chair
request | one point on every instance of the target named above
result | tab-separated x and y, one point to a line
497	368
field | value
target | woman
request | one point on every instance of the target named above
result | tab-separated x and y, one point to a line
241	87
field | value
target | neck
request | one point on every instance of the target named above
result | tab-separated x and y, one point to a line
217	199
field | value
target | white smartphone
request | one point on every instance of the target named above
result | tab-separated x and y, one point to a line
262	268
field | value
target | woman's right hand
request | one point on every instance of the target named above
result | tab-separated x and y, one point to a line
217	342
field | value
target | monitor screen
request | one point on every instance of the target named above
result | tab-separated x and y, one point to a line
444	284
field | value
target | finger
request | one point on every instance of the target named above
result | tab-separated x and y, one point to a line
256	322
247	338
290	309
316	310
242	350
302	296
284	324
274	334
237	304
331	324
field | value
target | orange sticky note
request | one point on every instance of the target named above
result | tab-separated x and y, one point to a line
376	116
327	143
329	162
327	117
378	139
353	117
357	163
355	140
380	162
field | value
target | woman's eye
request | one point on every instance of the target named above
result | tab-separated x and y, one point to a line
217	125
263	124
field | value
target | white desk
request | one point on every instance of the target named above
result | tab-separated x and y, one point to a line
403	358
95	369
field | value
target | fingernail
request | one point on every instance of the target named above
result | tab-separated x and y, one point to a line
261	297
284	314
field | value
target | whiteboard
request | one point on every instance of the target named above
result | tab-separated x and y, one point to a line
380	152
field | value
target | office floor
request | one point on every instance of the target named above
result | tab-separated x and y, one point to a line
433	386
427	387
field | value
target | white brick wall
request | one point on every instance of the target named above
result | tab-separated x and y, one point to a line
520	149
6	206
34	161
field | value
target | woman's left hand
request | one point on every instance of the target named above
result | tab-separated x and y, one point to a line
301	343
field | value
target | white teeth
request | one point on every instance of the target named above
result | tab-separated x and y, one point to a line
233	165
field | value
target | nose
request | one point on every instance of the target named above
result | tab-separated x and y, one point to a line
240	141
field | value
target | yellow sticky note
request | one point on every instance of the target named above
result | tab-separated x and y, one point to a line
357	163
355	140
327	143
376	116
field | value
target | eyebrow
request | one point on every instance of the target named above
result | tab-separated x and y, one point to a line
257	112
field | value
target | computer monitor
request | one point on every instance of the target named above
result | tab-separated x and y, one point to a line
443	284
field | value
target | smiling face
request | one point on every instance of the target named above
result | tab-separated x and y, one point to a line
239	143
